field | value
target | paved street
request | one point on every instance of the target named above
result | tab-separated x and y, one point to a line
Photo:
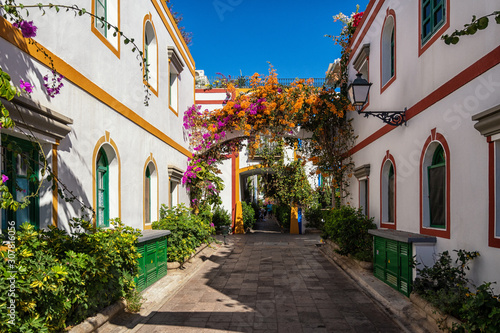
269	282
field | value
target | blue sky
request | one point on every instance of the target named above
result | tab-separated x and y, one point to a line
234	35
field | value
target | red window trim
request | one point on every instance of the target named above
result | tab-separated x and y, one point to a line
443	233
437	34
388	157
492	240
383	87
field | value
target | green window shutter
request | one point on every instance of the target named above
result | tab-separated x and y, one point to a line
393	60
391	198
102	189
148	195
437	189
20	164
101	11
433	17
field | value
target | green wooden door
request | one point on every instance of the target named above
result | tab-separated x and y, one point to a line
153	262
392	263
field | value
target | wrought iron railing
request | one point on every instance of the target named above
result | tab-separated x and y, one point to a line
209	82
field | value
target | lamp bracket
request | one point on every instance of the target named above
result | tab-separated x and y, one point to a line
394	118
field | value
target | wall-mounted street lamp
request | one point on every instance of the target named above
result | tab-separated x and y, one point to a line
358	92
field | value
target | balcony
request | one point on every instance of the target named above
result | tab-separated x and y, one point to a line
210	82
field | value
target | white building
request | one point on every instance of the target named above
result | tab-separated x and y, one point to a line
116	154
438	175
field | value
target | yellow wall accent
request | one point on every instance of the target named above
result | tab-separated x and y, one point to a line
150	159
106	139
248	168
101	37
238	219
149	18
55	197
237	179
15	37
294	220
173	35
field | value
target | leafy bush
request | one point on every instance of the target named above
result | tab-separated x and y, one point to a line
188	231
315	217
445	285
480	311
248	215
63	279
221	217
348	228
283	214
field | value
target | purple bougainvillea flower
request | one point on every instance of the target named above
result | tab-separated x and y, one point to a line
5	178
26	86
27	28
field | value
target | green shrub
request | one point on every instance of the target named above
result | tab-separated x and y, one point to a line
348	228
188	231
480	311
445	285
221	217
283	214
63	279
248	215
315	217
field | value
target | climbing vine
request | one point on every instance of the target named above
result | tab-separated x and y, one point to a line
277	111
476	24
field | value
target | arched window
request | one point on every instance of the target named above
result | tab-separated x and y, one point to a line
102	186
151	55
150	193
437	189
388	194
388	50
147	197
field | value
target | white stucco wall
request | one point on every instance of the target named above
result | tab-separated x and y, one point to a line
433	76
103	94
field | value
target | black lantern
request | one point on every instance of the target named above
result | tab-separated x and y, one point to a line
358	92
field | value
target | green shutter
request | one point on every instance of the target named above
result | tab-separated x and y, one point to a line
102	186
20	164
101	11
436	174
433	17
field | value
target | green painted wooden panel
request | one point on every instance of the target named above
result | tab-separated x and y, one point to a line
392	263
153	262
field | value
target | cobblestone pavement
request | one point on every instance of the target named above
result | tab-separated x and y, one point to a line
269	282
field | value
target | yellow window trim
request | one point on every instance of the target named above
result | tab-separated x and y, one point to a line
149	18
103	39
15	37
106	139
150	159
